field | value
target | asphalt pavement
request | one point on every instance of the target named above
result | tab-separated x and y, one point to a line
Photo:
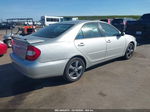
116	84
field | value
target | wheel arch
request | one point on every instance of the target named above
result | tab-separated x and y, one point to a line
79	56
130	39
133	43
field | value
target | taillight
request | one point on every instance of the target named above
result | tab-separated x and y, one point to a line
32	53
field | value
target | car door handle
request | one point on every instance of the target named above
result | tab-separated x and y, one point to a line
81	44
108	41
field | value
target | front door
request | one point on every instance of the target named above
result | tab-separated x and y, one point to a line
114	41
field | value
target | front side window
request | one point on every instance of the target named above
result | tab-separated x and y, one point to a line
89	30
108	30
53	30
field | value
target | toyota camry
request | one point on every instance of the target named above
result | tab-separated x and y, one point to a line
67	49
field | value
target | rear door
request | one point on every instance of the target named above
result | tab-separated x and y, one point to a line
91	43
114	41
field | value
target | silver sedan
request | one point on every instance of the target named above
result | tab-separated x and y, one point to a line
68	48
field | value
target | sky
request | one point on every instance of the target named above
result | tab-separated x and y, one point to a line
38	8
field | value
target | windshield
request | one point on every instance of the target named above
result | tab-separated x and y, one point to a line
53	30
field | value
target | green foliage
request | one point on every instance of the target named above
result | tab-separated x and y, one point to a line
107	17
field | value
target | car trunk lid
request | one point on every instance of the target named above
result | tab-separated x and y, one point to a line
20	44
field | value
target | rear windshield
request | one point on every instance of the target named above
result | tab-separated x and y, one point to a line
53	30
117	21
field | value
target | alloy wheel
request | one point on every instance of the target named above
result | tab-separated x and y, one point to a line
75	69
130	51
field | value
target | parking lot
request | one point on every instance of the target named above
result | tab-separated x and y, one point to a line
121	84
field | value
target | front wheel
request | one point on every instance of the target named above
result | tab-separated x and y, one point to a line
129	51
74	69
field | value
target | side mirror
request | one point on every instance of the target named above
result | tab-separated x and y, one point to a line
122	34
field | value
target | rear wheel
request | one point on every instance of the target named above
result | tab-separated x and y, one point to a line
74	69
129	51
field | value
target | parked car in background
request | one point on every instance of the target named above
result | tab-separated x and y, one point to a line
130	26
121	23
107	20
3	48
5	25
70	18
37	23
22	29
68	48
141	27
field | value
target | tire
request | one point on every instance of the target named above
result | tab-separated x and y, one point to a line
8	43
129	51
1	55
74	69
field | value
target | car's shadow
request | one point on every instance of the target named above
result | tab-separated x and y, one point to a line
14	83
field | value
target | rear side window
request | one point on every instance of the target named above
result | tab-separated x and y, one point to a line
89	30
108	30
53	30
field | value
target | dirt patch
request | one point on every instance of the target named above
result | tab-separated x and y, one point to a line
139	55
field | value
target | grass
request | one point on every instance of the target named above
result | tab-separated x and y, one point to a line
106	17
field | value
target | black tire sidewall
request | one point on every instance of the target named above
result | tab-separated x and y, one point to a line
66	76
126	57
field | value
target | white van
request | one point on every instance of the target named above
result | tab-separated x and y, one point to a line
47	20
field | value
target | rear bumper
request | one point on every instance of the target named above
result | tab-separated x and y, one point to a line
37	69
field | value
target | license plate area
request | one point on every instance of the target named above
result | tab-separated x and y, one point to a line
20	48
